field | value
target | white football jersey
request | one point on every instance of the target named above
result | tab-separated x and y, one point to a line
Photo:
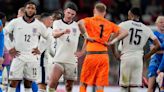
137	38
26	35
66	45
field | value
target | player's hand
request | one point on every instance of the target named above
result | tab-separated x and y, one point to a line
36	51
90	39
108	43
158	71
117	56
79	53
146	57
67	31
13	52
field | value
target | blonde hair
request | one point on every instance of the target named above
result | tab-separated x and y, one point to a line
159	18
100	7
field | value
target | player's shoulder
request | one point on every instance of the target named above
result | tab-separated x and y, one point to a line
16	19
57	21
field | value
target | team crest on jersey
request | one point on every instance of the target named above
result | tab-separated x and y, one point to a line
34	31
74	31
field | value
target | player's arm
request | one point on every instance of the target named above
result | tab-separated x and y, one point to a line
83	50
9	43
57	33
83	31
122	33
42	45
155	48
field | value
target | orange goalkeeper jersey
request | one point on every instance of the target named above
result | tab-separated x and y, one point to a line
100	30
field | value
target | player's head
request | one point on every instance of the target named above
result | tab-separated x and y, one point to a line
47	19
70	10
160	23
134	14
57	15
3	18
30	9
99	9
21	12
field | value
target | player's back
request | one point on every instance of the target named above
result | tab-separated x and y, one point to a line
99	29
137	38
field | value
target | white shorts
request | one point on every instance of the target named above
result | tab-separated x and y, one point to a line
131	71
21	69
70	70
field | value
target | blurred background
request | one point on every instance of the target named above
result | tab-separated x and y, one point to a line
116	12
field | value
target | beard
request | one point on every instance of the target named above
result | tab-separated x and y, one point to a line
29	16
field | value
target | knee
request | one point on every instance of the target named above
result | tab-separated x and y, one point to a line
27	84
14	83
69	86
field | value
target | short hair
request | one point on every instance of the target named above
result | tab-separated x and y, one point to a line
30	2
159	18
136	11
44	15
71	5
2	15
22	9
57	15
100	7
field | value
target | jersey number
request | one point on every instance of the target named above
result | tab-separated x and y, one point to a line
27	38
101	31
135	36
68	39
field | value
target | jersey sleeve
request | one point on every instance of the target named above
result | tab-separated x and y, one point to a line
55	25
86	22
116	28
8	30
151	34
10	26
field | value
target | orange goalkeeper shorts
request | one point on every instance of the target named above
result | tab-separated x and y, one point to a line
95	70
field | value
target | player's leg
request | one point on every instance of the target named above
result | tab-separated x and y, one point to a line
1	62
69	85
100	89
30	74
70	75
42	87
152	78
28	85
152	69
124	80
102	73
13	85
54	77
83	87
42	79
15	74
136	73
151	82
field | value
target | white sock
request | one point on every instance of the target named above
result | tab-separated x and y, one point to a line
41	90
134	89
28	89
122	89
11	89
